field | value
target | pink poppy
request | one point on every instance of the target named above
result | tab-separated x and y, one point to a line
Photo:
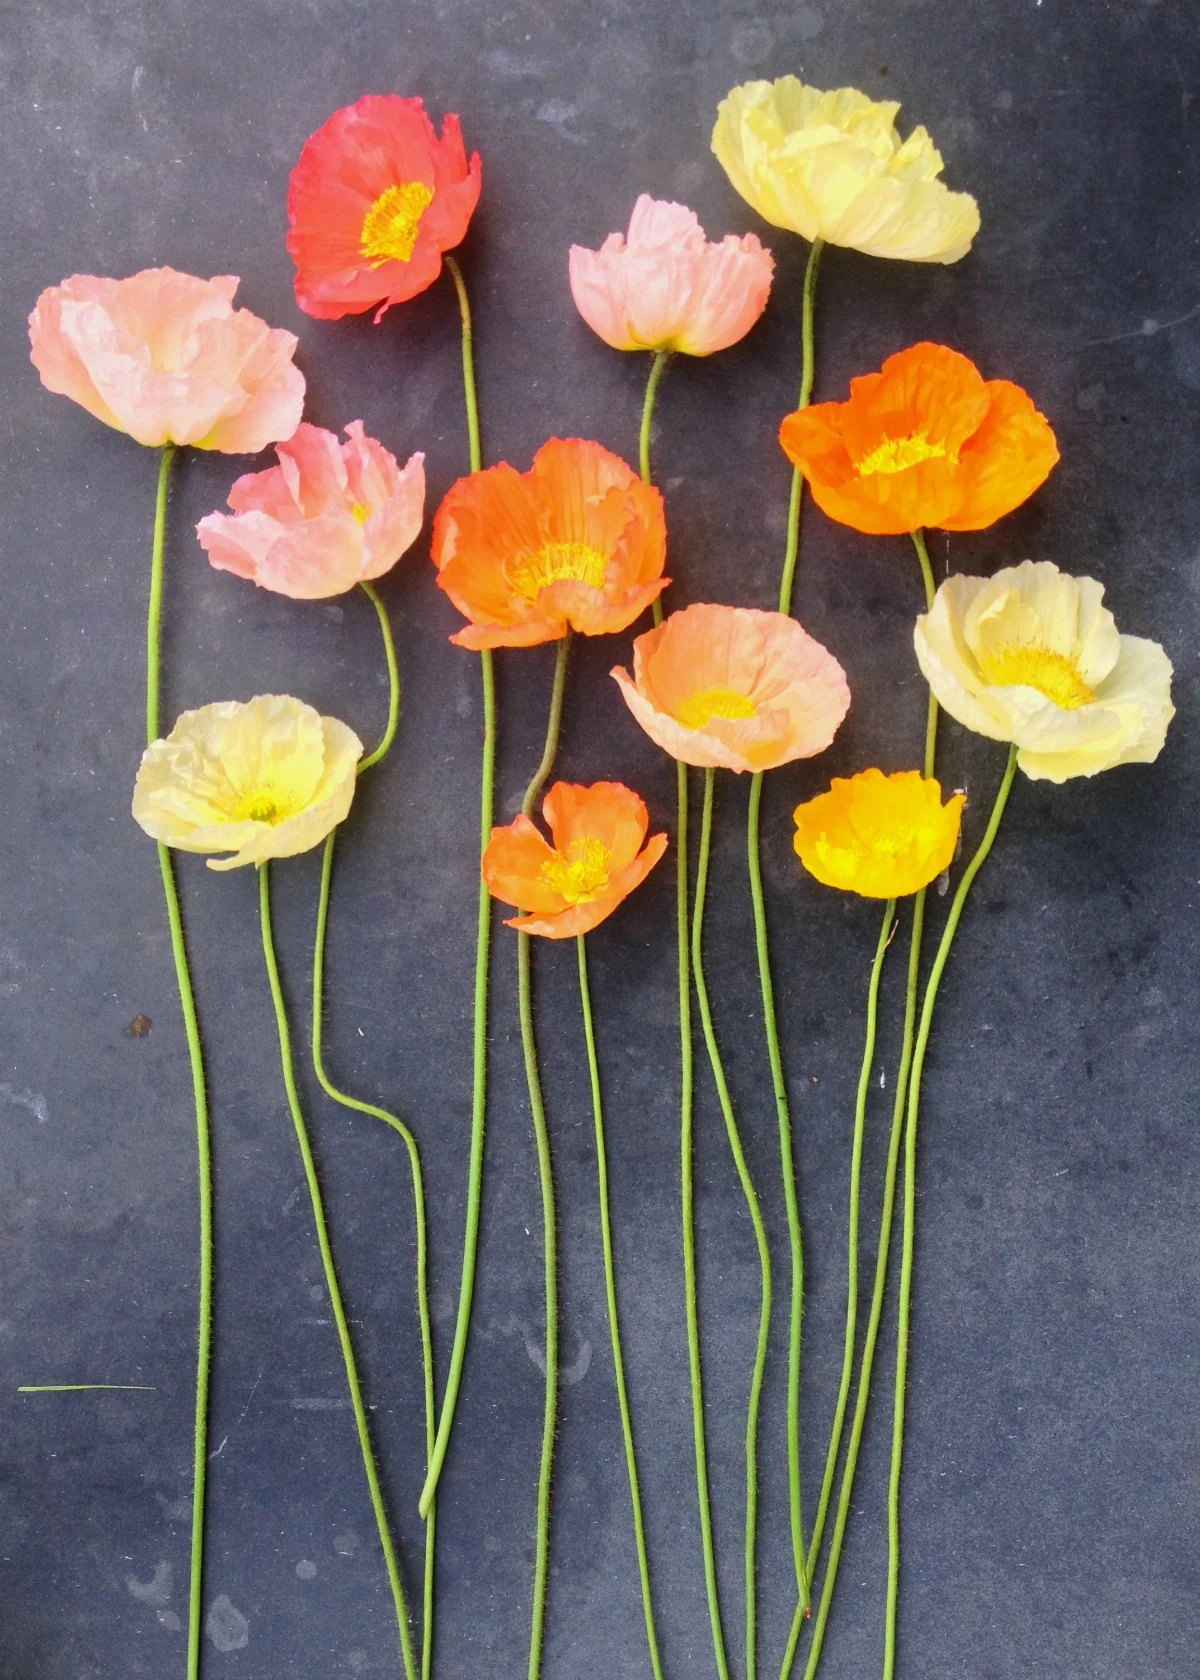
166	358
665	287
327	517
734	688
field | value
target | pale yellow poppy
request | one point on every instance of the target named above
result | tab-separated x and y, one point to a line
261	778
831	166
1032	656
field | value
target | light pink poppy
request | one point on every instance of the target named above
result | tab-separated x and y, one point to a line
327	517
166	358
734	688
663	286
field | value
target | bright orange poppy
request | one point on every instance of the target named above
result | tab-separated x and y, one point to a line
927	441
576	543
596	860
375	198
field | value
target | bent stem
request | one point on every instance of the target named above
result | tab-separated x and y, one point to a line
483	936
610	1285
191	1028
331	1278
686	1079
398	1126
541	1135
910	1209
807	368
760	1235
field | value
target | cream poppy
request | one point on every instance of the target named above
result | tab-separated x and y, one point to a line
831	166
1032	656
263	778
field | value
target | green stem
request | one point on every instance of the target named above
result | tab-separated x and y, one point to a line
686	1181
331	1278
856	1152
389	653
657	364
760	1235
550	749
931	714
610	1285
541	1135
910	1205
191	1028
807	307
398	1126
788	1172
483	938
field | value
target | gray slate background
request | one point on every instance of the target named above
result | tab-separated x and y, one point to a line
1053	1470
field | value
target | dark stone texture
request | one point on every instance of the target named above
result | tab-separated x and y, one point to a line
1053	1466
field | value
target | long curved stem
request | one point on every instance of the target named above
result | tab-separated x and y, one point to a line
537	1110
610	1286
910	1205
856	1153
687	1194
807	366
398	1126
191	1028
483	939
330	1271
760	1235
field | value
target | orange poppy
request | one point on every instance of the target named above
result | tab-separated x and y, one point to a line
927	441
576	543
597	859
375	198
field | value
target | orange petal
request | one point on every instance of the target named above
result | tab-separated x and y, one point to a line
1009	457
606	811
512	865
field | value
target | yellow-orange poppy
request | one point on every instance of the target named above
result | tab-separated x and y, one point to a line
876	835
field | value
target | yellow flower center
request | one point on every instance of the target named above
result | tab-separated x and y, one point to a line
537	569
260	807
893	455
708	703
389	229
580	873
1052	674
361	512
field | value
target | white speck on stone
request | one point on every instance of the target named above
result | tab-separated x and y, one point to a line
226	1626
346	1543
34	1101
306	1569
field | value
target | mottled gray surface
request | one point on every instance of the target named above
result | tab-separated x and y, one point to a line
1053	1470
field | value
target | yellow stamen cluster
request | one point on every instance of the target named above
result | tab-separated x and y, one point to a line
893	455
1052	674
389	229
557	562
708	703
580	873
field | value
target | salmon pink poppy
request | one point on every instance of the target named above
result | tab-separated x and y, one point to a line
926	441
596	859
375	198
666	287
734	688
576	543
166	358
329	516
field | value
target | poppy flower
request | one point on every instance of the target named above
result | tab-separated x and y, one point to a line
734	688
166	358
1031	656
375	198
665	287
831	166
876	835
926	441
327	517
596	859
264	778
576	543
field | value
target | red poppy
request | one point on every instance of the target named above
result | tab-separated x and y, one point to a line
374	200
